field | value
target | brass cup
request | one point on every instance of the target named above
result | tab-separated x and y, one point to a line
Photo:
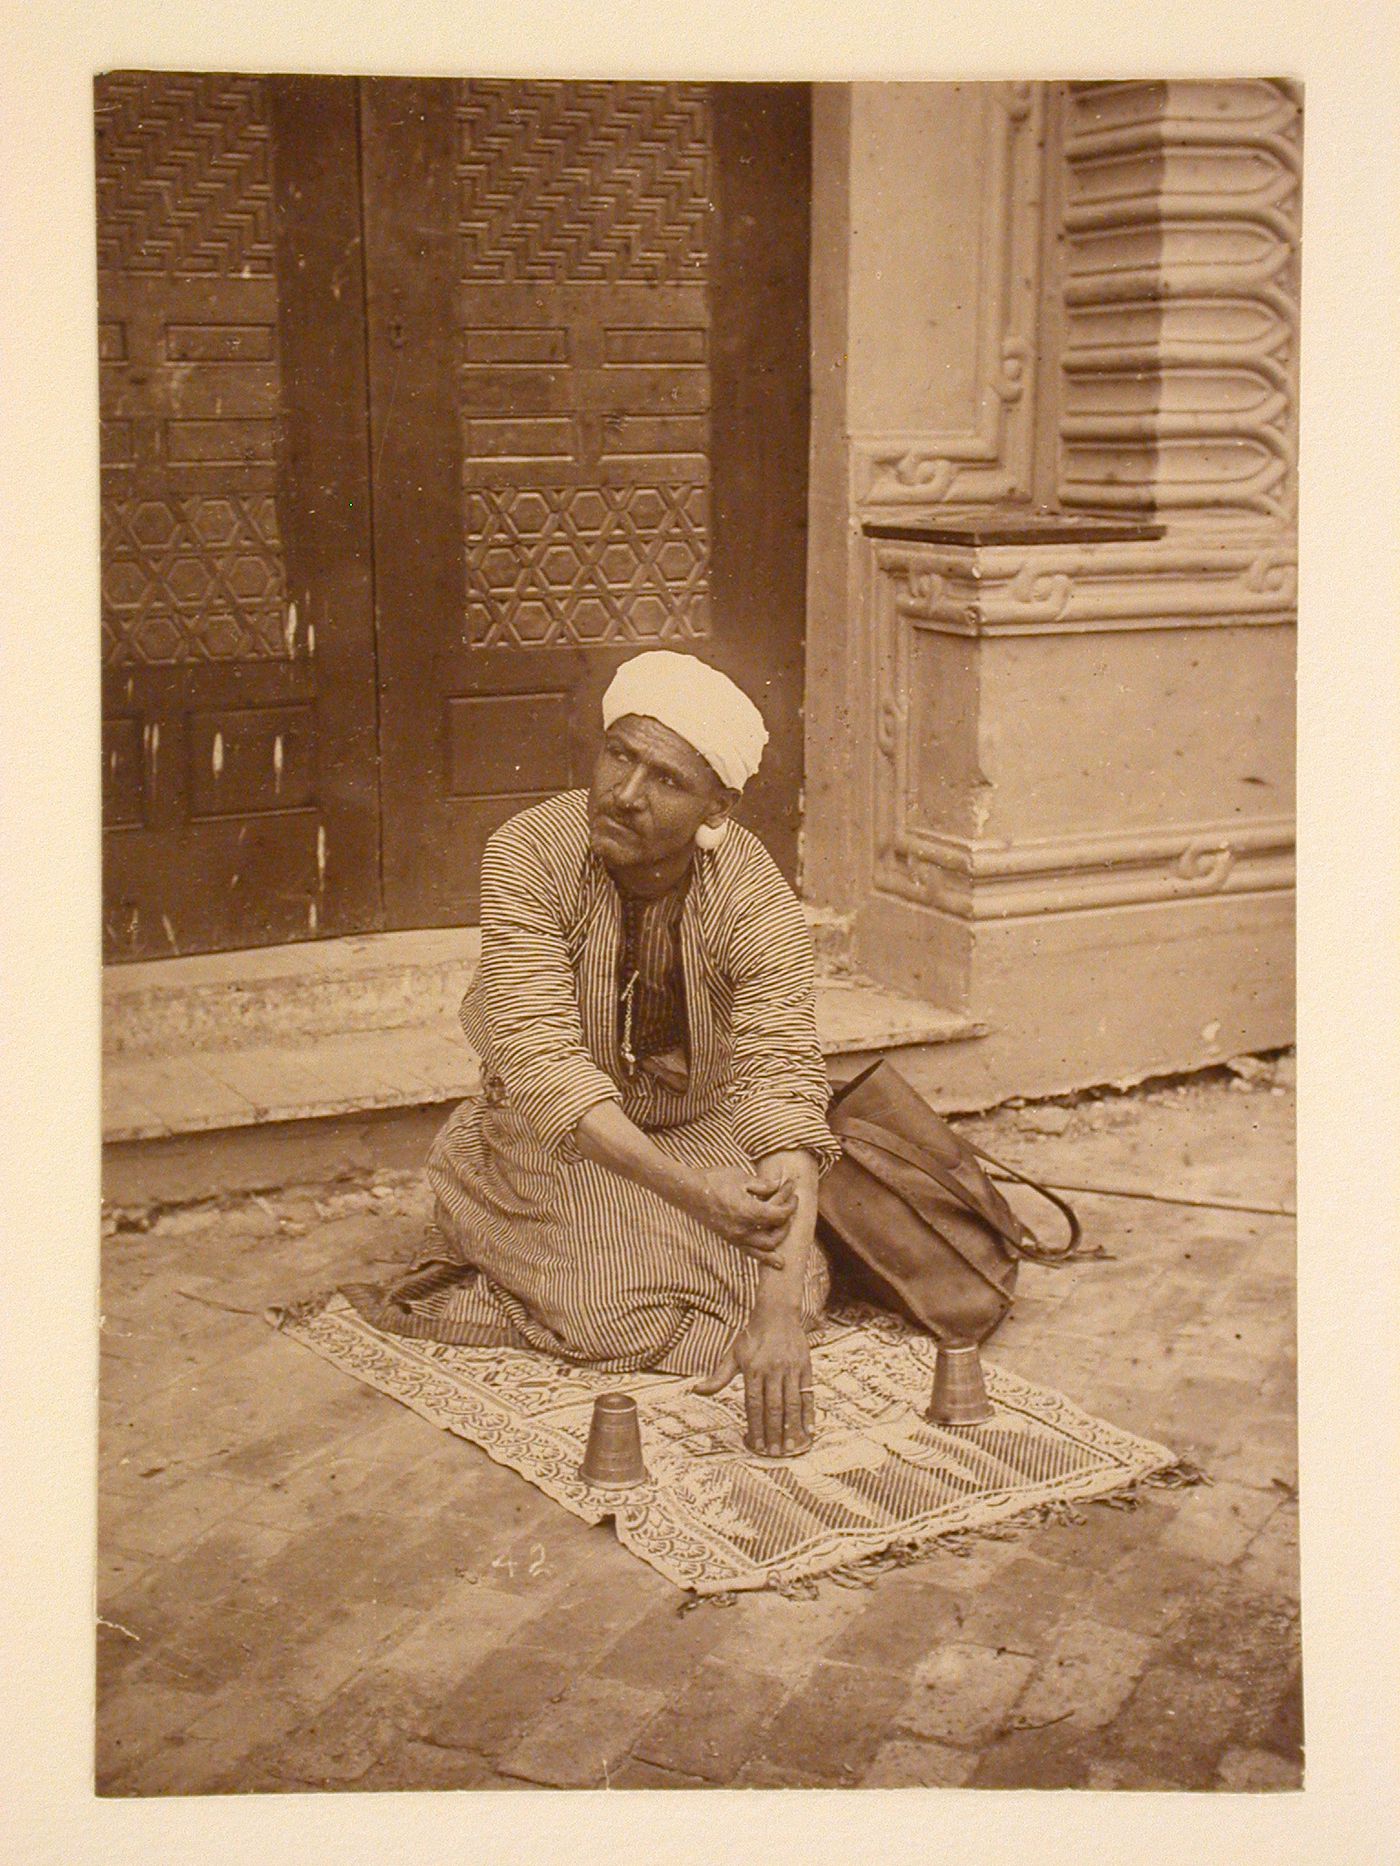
959	1392
613	1457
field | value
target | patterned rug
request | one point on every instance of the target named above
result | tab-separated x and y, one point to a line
714	1517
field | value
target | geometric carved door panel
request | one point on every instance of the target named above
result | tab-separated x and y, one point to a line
587	309
583	306
231	679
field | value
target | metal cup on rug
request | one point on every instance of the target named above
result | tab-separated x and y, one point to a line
959	1391
613	1460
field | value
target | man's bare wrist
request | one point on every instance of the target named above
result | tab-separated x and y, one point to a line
687	1190
778	1295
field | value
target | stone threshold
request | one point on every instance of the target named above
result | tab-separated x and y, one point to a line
335	1027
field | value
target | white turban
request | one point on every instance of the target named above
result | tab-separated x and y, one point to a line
697	702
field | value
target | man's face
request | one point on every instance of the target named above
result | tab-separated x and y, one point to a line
651	791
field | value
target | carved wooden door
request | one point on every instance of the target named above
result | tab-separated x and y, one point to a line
239	772
587	313
361	594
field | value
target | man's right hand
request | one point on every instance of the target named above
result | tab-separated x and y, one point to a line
752	1209
748	1212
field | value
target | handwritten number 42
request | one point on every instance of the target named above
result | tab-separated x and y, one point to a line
536	1564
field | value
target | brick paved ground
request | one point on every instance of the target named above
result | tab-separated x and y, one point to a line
303	1585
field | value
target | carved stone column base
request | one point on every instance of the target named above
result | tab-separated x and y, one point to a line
1082	770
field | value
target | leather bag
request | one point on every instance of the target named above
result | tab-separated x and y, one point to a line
911	1220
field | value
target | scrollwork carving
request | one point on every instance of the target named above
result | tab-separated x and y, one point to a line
1045	593
930	475
1010	384
982	880
1019	98
1040	588
1273	574
921	593
1205	863
989	459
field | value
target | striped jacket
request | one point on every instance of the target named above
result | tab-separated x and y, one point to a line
543	1009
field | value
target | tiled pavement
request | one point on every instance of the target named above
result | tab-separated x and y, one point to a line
303	1585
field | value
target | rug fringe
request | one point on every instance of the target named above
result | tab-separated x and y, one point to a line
693	1600
281	1315
802	1587
1128	1498
1185	1474
863	1572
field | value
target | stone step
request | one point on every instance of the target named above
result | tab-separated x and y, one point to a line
372	981
337	1027
315	988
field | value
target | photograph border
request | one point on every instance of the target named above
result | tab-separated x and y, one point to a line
1348	898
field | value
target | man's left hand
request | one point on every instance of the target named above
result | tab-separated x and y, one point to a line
772	1354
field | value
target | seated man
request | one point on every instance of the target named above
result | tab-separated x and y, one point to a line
636	1185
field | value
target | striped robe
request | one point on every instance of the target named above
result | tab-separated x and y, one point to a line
538	1247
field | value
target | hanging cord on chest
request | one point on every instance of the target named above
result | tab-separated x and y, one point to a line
628	999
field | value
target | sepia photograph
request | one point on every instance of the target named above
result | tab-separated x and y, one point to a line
698	1011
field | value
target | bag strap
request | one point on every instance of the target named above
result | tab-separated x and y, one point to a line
1039	1254
885	1141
